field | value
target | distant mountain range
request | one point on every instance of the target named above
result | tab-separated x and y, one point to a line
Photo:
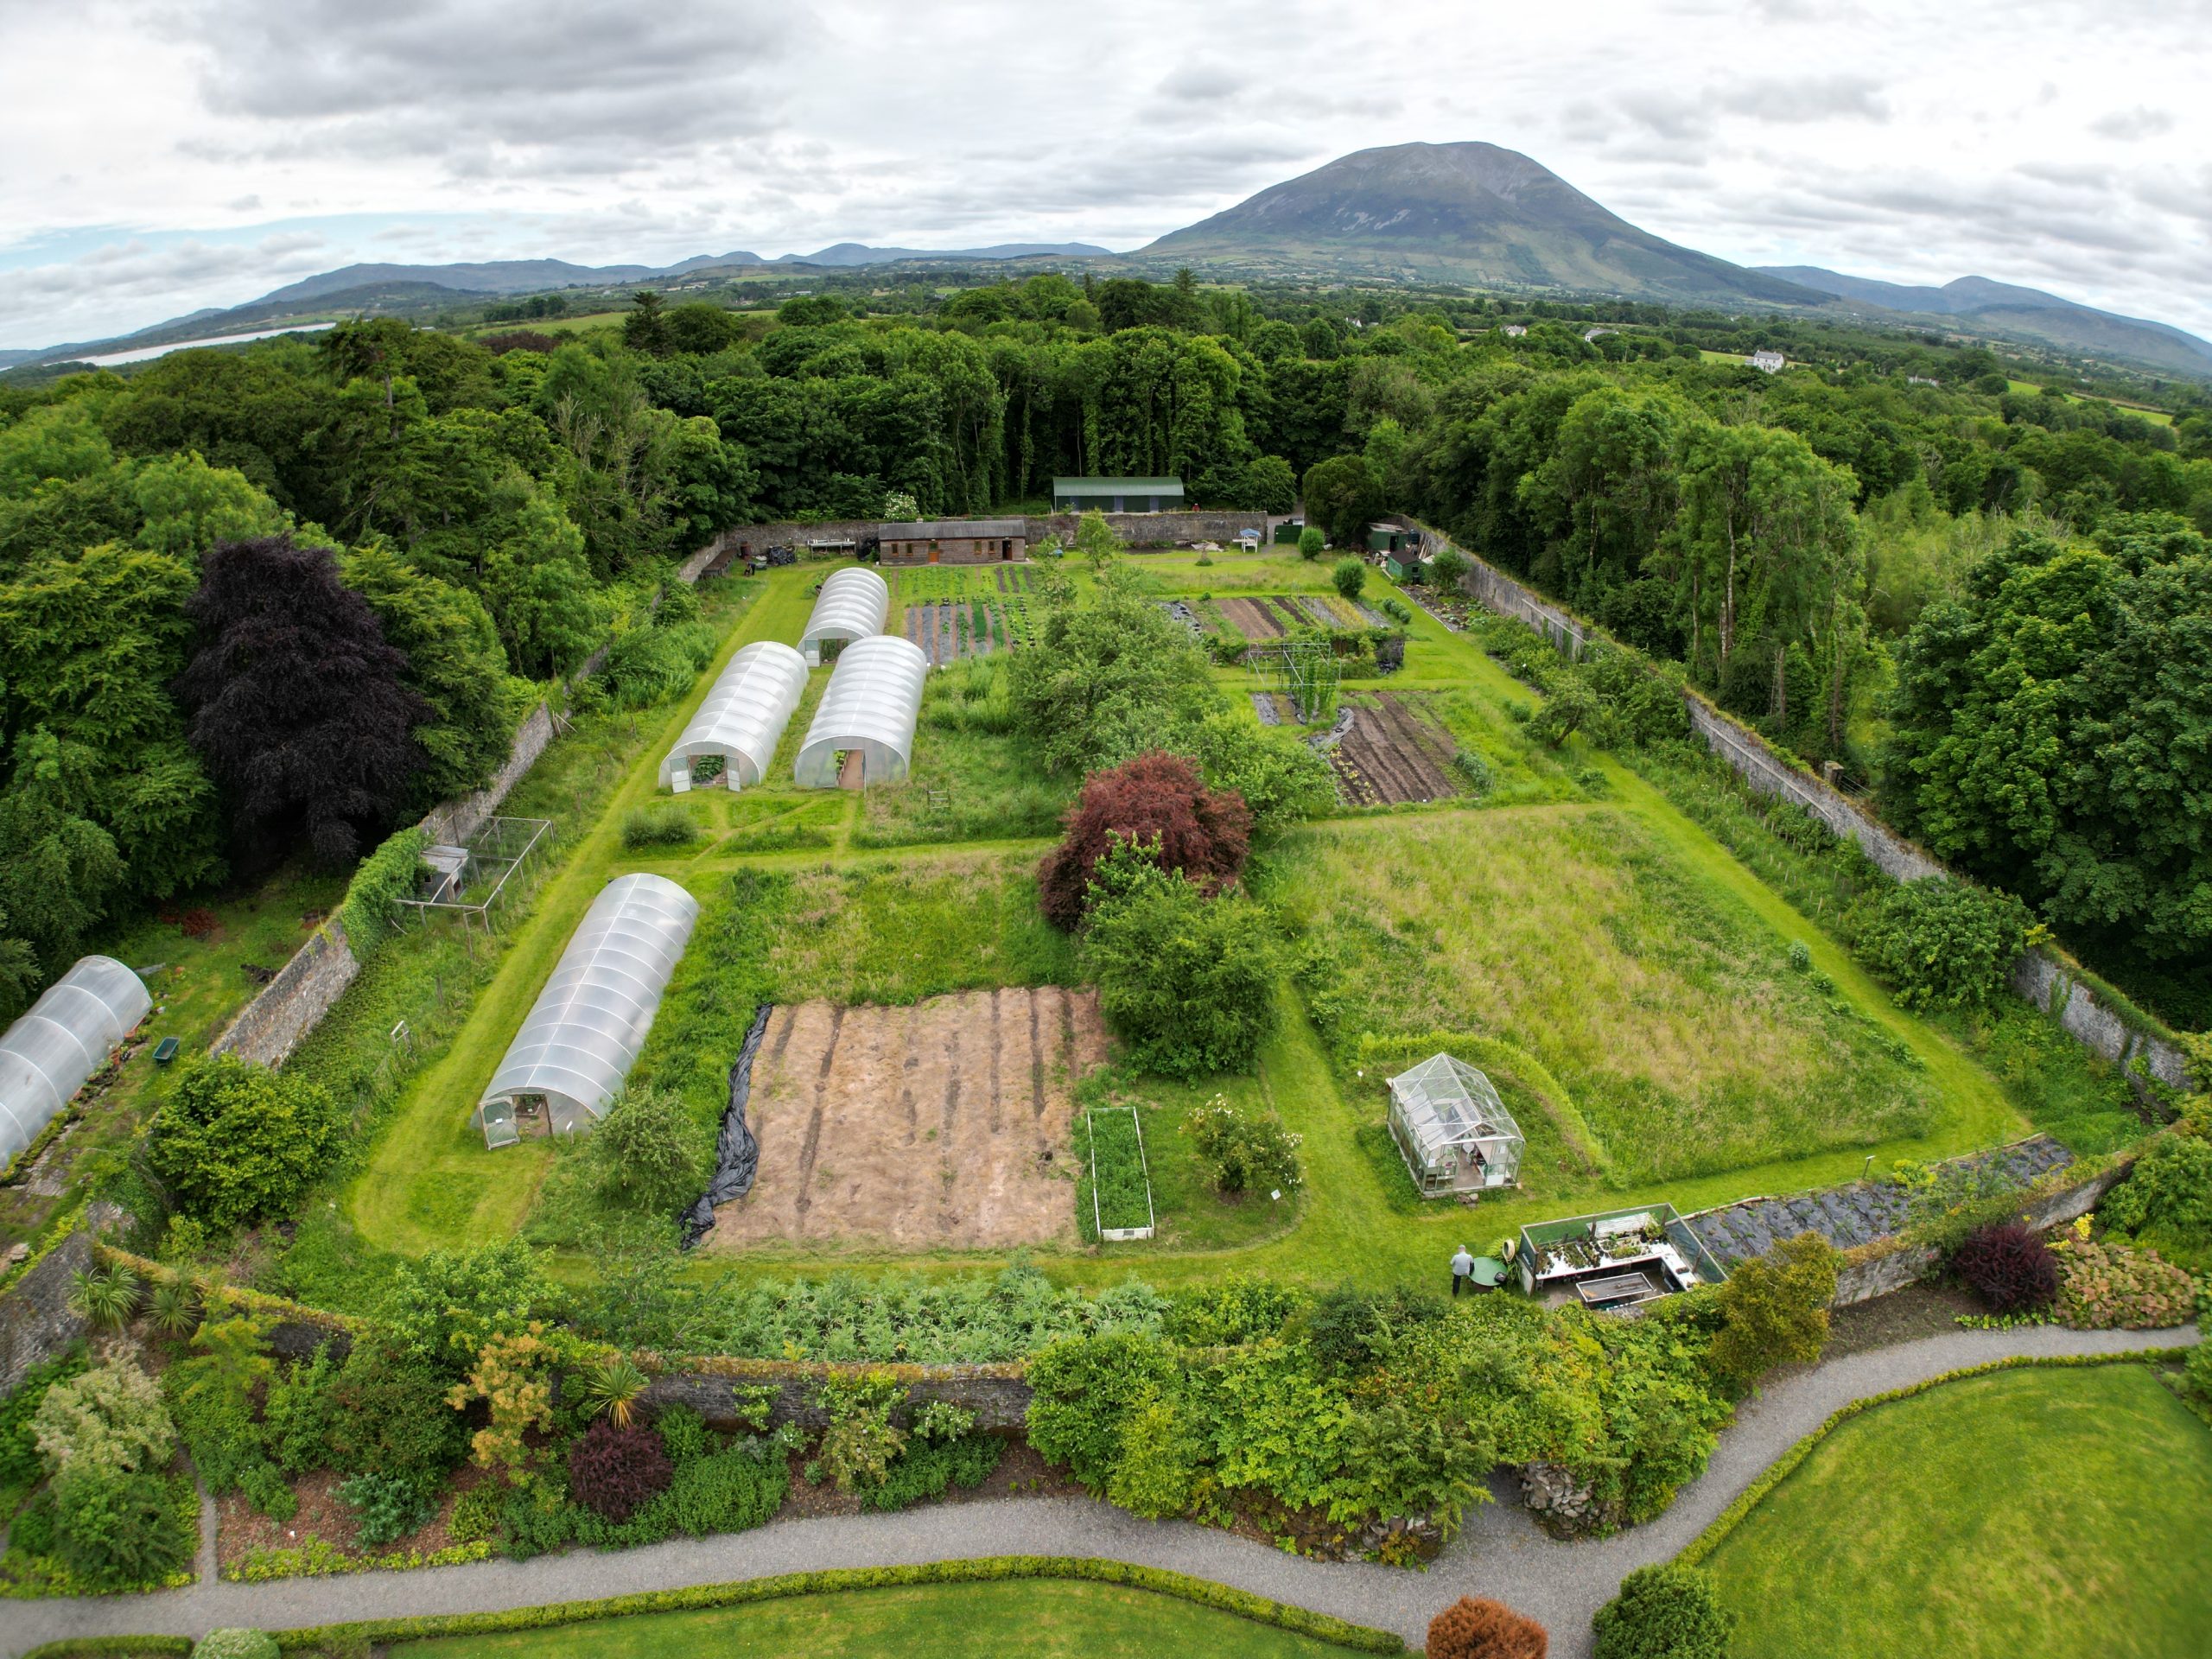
1471	214
2017	313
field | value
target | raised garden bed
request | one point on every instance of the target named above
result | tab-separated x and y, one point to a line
1118	1178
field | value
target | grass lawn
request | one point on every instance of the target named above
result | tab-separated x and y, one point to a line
1036	1619
2026	1515
1666	1010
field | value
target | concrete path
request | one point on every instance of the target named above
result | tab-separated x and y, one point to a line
1501	1553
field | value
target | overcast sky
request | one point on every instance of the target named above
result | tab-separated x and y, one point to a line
167	155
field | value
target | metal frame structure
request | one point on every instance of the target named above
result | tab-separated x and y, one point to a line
1452	1130
68	1035
500	845
1306	671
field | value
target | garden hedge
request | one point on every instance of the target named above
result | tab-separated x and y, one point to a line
110	1647
1203	1592
1695	1552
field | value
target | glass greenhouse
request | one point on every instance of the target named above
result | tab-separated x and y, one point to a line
583	1033
67	1035
742	718
852	605
1452	1130
863	733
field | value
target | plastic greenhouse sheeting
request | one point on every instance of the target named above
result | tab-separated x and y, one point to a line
584	1032
852	605
873	701
46	1055
743	718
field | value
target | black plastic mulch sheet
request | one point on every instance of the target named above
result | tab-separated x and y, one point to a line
737	1155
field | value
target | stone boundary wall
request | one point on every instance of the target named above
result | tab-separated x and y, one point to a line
1878	1270
456	821
1769	773
270	1027
35	1321
1137	529
2039	976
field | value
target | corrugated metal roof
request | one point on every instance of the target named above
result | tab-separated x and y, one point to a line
1117	487
937	530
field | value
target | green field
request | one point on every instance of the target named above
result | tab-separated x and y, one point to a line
1038	1618
1623	977
2026	1515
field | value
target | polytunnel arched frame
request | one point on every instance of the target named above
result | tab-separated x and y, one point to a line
743	718
575	1048
852	605
48	1054
871	706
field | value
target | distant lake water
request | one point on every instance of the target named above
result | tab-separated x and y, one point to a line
146	354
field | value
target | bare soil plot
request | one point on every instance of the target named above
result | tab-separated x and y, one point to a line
1396	751
943	1125
1252	618
949	629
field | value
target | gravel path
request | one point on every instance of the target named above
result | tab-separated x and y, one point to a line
1501	1553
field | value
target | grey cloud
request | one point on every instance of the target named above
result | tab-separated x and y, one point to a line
2129	125
486	90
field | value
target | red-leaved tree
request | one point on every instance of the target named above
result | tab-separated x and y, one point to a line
1204	833
1474	1628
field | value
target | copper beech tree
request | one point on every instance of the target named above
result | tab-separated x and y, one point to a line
1473	1628
1205	834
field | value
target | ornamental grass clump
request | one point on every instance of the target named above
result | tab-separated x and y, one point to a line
2008	1267
1476	1628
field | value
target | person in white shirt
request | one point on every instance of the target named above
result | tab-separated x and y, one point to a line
1463	1269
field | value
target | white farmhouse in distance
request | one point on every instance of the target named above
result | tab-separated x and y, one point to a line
1516	330
1768	362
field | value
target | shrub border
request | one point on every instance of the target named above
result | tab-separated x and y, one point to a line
1203	1592
1700	1548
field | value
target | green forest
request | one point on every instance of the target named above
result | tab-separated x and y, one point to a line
266	604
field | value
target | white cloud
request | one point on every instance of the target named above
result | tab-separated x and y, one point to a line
1889	138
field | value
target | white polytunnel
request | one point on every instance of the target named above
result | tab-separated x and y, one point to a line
569	1061
866	720
743	718
852	605
46	1056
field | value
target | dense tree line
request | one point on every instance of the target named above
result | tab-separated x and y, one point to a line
1781	536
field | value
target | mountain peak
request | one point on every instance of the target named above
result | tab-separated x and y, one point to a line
1470	212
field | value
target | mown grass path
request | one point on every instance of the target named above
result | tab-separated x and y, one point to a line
1502	1553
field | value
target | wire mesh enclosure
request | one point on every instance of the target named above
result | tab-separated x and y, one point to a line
470	879
1306	672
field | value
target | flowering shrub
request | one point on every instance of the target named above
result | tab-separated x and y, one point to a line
1244	1153
2109	1287
613	1472
2008	1267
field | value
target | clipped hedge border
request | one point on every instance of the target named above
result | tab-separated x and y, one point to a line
110	1647
989	1569
1696	1552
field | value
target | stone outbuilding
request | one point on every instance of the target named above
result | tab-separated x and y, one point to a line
954	541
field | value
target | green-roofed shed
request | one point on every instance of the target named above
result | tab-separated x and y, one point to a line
1117	494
